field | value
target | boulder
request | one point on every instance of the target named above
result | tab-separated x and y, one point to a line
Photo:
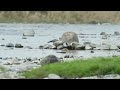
49	59
28	33
69	37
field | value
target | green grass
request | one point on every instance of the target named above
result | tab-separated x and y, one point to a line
2	69
78	68
73	17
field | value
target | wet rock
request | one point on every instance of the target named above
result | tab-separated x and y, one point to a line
102	33
17	45
28	33
29	59
57	43
113	47
9	45
66	56
92	51
24	38
87	47
47	46
80	47
49	59
118	46
41	47
54	47
116	33
92	45
60	47
74	44
54	40
69	37
53	76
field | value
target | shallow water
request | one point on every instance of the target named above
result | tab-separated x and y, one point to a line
12	33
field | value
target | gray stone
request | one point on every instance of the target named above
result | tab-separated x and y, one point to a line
60	47
53	76
41	47
47	46
116	33
57	43
49	59
102	33
80	47
54	40
87	47
17	45
113	47
9	45
24	38
69	37
92	45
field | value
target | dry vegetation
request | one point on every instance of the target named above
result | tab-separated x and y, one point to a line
60	16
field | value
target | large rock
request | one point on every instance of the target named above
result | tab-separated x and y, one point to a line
28	33
18	45
49	59
9	45
69	37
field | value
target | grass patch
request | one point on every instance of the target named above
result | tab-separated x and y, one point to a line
78	68
2	69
